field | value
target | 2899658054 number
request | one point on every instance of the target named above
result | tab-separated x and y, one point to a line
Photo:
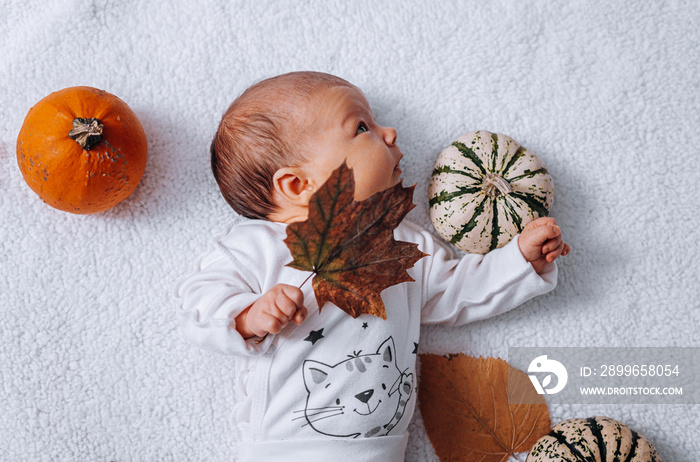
637	370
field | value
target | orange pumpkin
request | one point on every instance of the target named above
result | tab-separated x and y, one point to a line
82	150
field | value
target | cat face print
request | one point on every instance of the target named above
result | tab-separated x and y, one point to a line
362	396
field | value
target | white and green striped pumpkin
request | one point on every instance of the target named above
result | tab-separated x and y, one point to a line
597	439
484	189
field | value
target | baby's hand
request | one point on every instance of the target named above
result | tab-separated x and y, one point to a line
271	312
541	243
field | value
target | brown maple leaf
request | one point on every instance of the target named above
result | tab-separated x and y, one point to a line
349	245
479	409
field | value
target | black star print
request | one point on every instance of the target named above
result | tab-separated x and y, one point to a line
314	336
415	348
364	325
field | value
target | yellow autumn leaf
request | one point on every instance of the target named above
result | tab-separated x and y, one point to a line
473	411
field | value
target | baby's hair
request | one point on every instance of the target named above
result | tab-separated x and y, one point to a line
253	139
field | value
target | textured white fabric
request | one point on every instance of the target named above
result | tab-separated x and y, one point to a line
385	449
92	366
335	376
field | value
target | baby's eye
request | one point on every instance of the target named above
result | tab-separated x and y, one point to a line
361	128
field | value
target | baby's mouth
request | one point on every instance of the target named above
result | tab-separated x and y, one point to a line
397	167
397	171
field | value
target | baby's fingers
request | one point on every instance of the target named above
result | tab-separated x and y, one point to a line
293	293
284	307
542	234
290	304
540	222
551	244
270	323
562	249
554	254
300	316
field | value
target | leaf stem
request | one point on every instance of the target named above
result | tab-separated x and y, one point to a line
310	275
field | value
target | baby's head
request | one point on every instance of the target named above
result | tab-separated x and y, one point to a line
280	140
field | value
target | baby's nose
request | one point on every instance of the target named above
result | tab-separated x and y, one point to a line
390	135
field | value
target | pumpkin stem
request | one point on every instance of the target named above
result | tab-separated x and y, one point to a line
86	132
495	185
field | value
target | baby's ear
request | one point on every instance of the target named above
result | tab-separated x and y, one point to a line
291	186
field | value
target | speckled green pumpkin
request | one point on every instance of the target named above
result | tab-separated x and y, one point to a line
597	439
485	188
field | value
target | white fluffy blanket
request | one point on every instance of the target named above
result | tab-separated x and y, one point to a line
607	93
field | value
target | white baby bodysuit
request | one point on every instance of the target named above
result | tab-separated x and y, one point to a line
336	386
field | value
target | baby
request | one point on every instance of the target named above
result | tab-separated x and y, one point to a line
313	382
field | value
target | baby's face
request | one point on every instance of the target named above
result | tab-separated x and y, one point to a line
338	125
